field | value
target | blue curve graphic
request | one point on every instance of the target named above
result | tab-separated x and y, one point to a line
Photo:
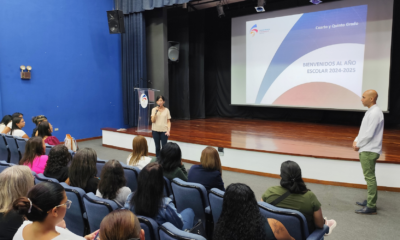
303	38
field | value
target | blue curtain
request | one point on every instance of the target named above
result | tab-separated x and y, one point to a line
134	69
134	6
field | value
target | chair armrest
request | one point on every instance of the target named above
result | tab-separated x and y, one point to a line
172	230
318	234
207	210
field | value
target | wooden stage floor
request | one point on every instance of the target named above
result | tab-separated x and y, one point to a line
291	138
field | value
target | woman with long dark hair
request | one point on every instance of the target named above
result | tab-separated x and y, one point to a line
44	131
5	121
161	127
112	183
171	160
17	124
35	155
8	127
149	199
57	163
82	172
300	198
37	120
120	224
209	172
44	207
241	218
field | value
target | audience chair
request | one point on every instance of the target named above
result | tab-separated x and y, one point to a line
169	232
131	176
216	198
293	220
42	178
48	148
191	195
13	148
4	152
150	227
75	218
21	143
99	165
4	165
167	188
96	209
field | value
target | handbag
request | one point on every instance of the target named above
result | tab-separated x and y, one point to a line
70	143
198	229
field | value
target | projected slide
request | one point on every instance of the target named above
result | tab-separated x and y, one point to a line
314	59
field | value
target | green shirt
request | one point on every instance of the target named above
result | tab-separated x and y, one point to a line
179	172
306	203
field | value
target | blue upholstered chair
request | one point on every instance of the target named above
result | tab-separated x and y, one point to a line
150	227
96	209
75	218
293	220
21	143
131	176
42	178
4	152
216	198
4	165
13	148
99	165
191	195
168	188
48	148
168	231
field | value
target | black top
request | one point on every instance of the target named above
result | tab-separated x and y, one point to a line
268	231
208	178
61	175
92	185
34	131
9	224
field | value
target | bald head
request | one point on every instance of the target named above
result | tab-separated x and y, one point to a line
369	98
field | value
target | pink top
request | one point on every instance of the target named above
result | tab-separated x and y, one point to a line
51	140
38	164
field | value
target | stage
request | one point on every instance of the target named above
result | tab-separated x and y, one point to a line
324	152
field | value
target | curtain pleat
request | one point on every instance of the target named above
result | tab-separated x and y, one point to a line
134	69
134	6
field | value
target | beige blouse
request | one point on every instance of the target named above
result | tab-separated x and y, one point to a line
161	124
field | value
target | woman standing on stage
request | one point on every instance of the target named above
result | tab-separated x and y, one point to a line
161	119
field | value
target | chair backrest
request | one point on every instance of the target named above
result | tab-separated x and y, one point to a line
75	216
216	198
131	176
48	148
96	209
167	187
293	220
4	165
150	227
99	165
190	195
168	231
42	178
12	146
21	143
4	152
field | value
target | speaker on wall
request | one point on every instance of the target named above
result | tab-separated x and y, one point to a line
116	21
173	51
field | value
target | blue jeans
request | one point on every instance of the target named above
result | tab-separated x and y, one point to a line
159	136
187	218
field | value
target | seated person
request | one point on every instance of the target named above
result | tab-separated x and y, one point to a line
17	124
120	224
4	122
82	172
112	183
44	131
149	200
15	182
45	207
57	163
8	127
300	198
138	158
241	218
209	172
171	160
37	120
35	155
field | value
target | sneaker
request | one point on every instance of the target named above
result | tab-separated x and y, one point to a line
331	224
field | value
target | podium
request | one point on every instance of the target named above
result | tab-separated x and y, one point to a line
147	101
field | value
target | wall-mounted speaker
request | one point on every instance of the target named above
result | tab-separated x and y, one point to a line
116	21
173	51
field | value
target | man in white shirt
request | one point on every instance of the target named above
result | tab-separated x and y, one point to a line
369	145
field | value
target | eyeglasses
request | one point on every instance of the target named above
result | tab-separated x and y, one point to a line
67	204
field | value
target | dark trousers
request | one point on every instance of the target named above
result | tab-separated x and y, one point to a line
159	137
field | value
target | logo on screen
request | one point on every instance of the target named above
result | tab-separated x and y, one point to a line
253	30
143	100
